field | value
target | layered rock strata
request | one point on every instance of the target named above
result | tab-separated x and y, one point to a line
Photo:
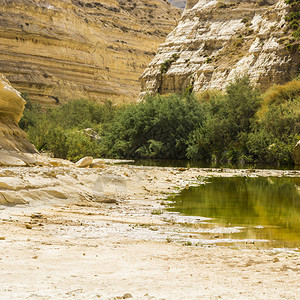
55	50
217	41
12	138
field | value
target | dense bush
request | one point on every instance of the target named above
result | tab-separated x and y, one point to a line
238	125
59	130
155	128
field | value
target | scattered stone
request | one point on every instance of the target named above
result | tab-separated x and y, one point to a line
55	163
2	238
127	296
106	200
276	259
28	226
36	216
84	162
35	257
98	163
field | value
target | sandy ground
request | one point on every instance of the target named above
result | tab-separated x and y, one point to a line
94	234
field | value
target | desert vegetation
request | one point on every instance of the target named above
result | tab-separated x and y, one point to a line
238	125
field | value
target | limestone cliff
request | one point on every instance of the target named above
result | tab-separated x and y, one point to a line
216	41
11	110
64	49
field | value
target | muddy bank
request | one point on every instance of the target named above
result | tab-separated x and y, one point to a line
89	233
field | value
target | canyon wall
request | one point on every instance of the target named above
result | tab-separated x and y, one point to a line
11	110
55	50
217	41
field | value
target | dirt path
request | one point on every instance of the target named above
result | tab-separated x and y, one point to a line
66	243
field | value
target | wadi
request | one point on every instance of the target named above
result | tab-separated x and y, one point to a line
149	149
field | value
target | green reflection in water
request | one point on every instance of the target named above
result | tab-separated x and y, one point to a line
273	203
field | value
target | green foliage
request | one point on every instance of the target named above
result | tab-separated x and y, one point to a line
238	125
276	134
231	117
293	20
155	128
167	63
59	130
208	60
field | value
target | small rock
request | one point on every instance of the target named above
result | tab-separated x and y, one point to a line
36	216
2	238
98	163
127	296
84	162
276	259
35	257
28	226
55	163
108	201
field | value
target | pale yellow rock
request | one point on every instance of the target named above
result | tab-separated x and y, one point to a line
217	41
11	110
10	160
84	162
59	50
98	163
11	198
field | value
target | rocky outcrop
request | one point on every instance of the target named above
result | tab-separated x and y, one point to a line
217	41
55	50
11	110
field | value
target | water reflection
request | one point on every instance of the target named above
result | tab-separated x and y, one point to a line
199	164
268	208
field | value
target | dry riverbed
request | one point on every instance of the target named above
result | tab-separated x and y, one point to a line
104	233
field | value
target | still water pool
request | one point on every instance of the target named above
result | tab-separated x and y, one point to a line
265	208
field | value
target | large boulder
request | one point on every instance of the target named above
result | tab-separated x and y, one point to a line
297	154
84	162
11	111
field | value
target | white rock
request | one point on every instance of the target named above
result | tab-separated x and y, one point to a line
10	160
98	163
84	162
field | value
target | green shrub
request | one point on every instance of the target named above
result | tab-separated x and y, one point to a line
167	63
58	130
278	127
237	125
157	127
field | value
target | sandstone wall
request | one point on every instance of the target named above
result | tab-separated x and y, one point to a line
215	41
11	110
64	49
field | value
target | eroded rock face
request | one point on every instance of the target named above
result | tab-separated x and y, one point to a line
56	50
11	110
215	42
